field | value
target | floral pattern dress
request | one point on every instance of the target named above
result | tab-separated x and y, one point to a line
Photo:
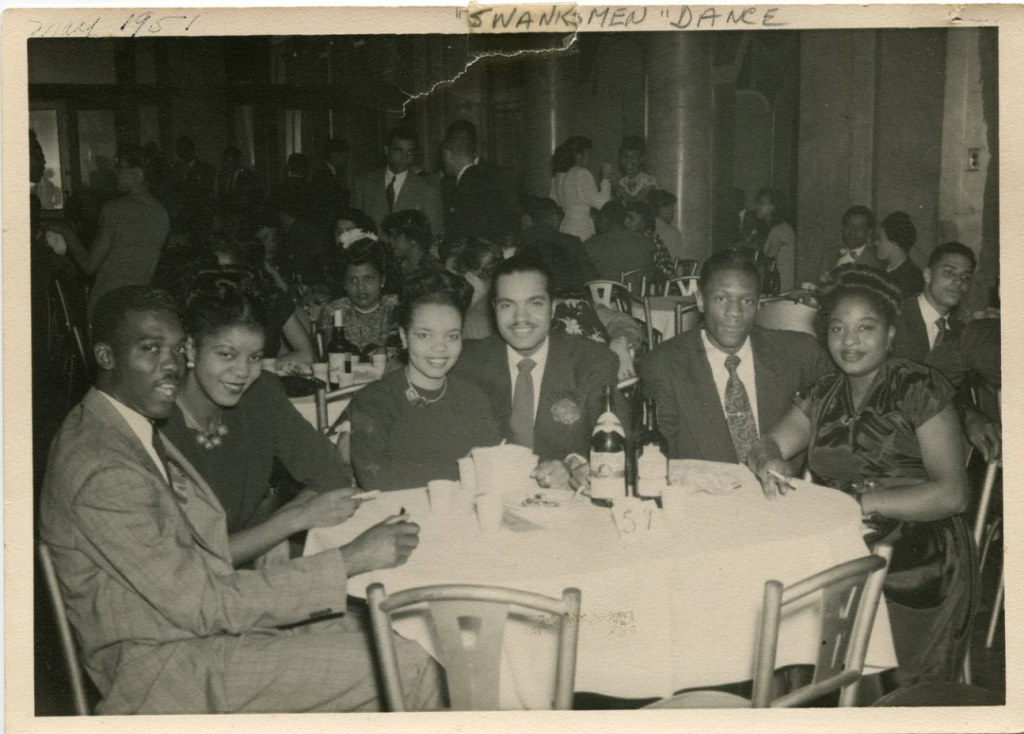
364	329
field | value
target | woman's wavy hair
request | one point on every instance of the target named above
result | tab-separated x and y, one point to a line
222	298
862	281
437	287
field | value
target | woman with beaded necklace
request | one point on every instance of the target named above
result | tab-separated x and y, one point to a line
414	425
231	422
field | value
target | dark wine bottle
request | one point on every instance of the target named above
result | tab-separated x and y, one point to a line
607	456
340	352
651	456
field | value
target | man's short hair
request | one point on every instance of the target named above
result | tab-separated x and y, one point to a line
401	133
614	213
232	153
728	260
868	215
114	306
524	264
952	248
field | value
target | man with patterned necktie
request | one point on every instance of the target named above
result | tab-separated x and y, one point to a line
930	320
719	387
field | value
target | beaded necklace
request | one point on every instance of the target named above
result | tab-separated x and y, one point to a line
207	439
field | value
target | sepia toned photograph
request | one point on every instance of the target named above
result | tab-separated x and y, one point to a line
619	361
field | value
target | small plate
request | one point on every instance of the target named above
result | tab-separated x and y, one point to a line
541	502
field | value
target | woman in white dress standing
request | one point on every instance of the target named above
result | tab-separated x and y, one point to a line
573	187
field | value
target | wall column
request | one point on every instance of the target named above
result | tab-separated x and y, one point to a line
547	96
681	128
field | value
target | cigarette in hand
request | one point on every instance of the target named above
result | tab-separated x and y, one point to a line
784	479
371	495
400	517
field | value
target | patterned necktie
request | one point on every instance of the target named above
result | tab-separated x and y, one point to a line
390	191
522	405
738	413
943	329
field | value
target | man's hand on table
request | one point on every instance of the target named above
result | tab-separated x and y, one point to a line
768	472
552	474
323	509
385	545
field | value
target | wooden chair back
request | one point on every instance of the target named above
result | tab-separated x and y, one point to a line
67	640
469	621
685	285
784	313
610	294
849	603
687	317
683	268
642	281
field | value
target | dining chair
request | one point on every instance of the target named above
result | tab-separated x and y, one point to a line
686	285
850	595
687	317
642	279
610	294
67	641
653	335
469	622
782	312
685	267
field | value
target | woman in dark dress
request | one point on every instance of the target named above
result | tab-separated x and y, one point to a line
414	425
231	422
885	431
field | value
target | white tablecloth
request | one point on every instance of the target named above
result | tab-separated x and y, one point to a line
677	610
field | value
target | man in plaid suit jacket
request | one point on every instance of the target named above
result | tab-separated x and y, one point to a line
164	621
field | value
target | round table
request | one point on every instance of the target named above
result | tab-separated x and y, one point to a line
671	610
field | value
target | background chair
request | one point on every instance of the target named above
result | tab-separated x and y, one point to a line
470	624
642	281
683	268
687	317
686	285
850	596
67	641
610	294
782	312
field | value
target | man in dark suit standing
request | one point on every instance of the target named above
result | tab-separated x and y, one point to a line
545	388
720	387
482	201
395	187
238	189
328	183
929	325
858	234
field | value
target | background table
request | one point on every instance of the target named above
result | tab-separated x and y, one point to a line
678	610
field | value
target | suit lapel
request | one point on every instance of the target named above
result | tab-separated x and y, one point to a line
557	382
917	332
200	508
768	374
699	393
